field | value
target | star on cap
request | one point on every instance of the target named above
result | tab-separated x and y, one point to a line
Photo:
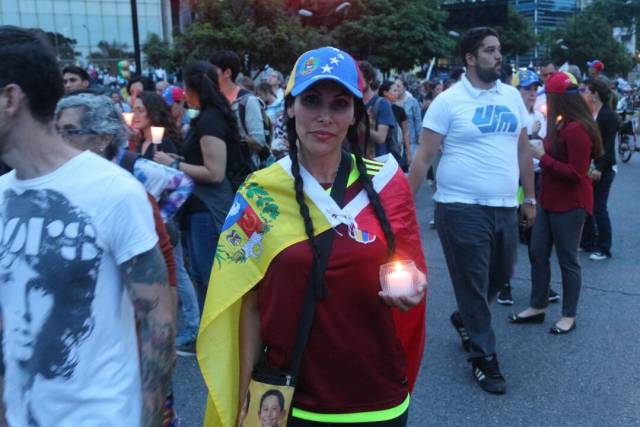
327	69
341	56
335	60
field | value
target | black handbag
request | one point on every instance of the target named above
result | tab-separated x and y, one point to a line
271	391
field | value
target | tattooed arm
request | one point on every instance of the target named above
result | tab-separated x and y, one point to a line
145	277
3	421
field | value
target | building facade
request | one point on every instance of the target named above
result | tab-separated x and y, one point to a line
90	22
545	15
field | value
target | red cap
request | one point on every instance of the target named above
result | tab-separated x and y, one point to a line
596	64
561	82
173	94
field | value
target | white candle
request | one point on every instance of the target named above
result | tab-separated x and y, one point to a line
128	118
157	133
400	281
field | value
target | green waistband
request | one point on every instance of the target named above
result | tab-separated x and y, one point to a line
355	417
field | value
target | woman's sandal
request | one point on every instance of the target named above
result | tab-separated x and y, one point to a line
536	318
555	330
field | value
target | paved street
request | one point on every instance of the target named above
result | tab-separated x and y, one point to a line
588	378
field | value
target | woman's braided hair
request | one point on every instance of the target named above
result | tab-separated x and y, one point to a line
352	136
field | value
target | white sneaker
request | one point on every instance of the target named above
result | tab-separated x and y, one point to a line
599	256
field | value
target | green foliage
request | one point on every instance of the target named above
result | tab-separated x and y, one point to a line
113	50
618	13
394	33
63	46
390	33
157	52
587	36
516	36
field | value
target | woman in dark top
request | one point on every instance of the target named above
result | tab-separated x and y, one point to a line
596	237
149	110
566	198
209	155
389	91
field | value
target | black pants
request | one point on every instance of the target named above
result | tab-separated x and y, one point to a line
480	245
597	228
401	421
561	230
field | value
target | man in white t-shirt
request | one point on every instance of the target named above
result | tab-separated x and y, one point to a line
480	124
79	264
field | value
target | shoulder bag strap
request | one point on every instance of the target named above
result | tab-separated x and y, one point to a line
316	278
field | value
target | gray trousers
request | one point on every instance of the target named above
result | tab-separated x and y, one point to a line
562	230
480	246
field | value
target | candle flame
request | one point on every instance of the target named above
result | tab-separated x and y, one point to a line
558	119
398	266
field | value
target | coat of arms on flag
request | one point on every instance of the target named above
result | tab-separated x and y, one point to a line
245	226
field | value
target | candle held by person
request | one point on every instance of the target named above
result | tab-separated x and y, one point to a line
398	278
128	118
157	132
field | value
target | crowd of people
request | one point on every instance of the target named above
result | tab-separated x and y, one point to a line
247	222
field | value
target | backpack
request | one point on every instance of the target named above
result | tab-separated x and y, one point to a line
243	98
394	141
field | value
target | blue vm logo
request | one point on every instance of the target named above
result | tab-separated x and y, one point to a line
495	118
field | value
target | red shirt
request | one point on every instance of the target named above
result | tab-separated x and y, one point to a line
354	360
163	241
565	183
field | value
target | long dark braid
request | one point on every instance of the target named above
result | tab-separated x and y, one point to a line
374	197
306	217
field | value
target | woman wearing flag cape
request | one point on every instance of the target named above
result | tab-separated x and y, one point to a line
364	348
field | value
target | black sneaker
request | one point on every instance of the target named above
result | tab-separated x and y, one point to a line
553	296
456	321
487	374
504	297
188	349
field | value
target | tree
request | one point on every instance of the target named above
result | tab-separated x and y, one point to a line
587	36
396	34
64	46
618	13
113	50
516	35
390	33
260	29
157	52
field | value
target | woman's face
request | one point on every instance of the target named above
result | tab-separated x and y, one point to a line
323	114
191	97
136	89
585	93
33	307
392	94
437	90
140	117
270	412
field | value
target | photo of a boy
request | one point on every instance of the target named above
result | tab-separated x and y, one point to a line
271	411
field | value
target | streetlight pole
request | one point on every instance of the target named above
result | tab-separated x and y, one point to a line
88	39
136	36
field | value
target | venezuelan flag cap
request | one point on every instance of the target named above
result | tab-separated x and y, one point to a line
325	63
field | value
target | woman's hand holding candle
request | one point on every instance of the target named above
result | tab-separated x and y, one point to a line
401	292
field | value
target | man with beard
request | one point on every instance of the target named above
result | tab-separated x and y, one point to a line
480	124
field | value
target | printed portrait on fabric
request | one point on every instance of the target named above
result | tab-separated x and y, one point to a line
49	262
268	408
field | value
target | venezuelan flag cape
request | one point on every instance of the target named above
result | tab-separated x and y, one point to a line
263	220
